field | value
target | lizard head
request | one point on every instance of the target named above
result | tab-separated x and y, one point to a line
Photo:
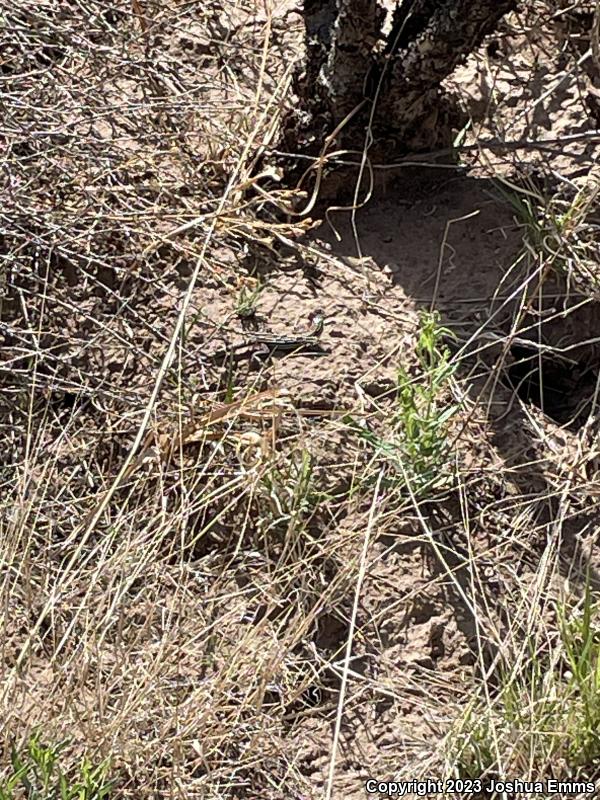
317	320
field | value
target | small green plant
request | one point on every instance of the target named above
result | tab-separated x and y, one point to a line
290	492
530	210
37	775
423	414
557	230
545	717
247	300
417	446
580	634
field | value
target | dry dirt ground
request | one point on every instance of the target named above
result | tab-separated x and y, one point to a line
219	570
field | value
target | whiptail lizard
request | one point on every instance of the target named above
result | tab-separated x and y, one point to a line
287	343
269	342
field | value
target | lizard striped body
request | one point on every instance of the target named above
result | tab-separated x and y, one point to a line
289	343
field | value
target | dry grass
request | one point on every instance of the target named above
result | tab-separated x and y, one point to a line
190	593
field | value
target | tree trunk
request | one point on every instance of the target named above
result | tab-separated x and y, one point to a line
355	79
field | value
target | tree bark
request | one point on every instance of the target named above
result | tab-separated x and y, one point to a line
340	37
355	78
442	38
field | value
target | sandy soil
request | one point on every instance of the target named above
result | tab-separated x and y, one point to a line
201	642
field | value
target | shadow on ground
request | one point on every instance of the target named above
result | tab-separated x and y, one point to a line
452	244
